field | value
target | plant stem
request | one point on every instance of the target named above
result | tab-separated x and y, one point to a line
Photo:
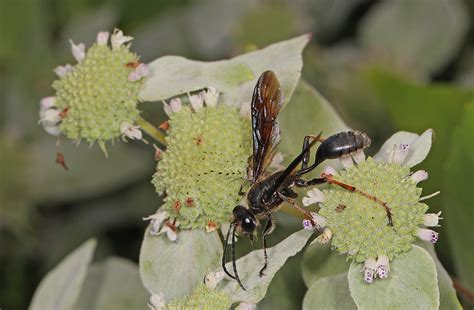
151	130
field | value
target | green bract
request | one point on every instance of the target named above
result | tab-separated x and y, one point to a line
202	298
204	165
359	225
97	96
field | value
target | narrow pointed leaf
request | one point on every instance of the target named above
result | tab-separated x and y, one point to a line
113	284
61	287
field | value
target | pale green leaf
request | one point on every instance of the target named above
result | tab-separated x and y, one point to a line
249	266
447	294
60	288
329	293
113	284
412	284
425	34
89	171
319	261
308	114
419	147
174	75
284	58
176	268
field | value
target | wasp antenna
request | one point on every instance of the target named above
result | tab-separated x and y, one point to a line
226	243
234	264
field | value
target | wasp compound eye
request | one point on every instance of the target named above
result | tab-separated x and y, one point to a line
248	225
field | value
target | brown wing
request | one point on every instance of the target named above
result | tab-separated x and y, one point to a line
266	104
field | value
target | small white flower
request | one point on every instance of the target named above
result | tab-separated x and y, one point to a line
325	236
141	71
246	306
130	131
157	301
51	117
383	266
313	196
213	278
211	96
370	266
432	219
175	104
167	109
419	176
428	235
78	51
61	71
118	39
53	130
170	232
346	162
46	103
317	222
156	221
329	171
103	37
197	101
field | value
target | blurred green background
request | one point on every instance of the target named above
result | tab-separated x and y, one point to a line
384	65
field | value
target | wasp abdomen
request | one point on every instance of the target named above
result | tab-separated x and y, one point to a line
342	144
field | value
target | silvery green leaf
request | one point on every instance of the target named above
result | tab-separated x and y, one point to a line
175	268
284	58
175	75
113	284
60	288
314	114
405	31
329	293
447	294
249	266
319	261
419	147
412	284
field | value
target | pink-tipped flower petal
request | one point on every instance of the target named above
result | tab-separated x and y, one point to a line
197	101
118	39
78	51
103	37
428	235
211	96
419	176
141	71
61	71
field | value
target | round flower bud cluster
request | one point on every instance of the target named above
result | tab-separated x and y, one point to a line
382	215
202	170
96	99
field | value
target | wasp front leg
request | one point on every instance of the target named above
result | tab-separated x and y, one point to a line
269	227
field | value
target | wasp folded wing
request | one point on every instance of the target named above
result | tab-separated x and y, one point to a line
266	104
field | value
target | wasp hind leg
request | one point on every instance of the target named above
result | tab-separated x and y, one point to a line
269	227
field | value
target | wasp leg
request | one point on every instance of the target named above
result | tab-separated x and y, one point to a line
292	202
306	142
269	227
234	264
226	244
325	178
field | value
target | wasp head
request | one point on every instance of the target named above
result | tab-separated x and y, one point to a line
245	221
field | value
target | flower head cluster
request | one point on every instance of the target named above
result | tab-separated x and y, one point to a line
96	99
202	169
360	226
203	297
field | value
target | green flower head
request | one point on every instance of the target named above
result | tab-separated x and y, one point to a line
96	99
204	165
359	226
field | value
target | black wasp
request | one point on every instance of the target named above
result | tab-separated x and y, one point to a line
269	190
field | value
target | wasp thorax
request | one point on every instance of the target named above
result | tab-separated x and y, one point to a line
204	165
